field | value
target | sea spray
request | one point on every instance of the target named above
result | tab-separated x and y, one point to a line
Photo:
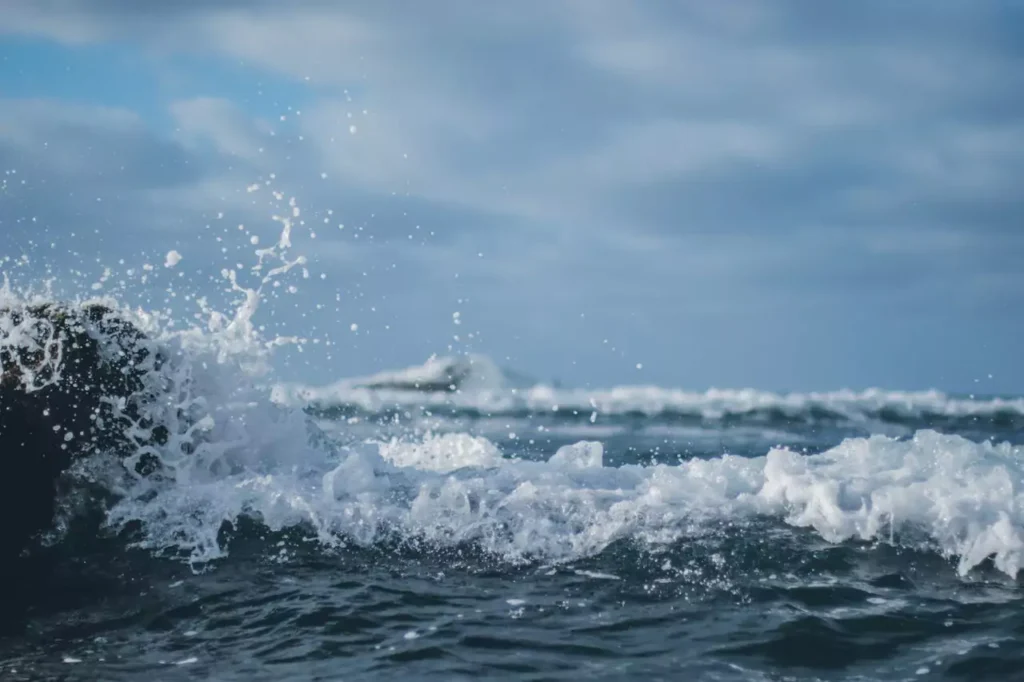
205	396
233	453
938	493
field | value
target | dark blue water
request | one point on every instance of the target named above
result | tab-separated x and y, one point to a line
706	595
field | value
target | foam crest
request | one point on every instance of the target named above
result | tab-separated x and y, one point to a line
232	452
967	497
941	492
206	394
414	388
442	453
31	336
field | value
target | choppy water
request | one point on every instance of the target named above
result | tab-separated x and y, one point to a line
402	526
473	554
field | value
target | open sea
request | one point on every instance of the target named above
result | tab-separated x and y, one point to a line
547	534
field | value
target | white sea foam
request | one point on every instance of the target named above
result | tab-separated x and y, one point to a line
966	498
207	392
442	453
233	453
488	392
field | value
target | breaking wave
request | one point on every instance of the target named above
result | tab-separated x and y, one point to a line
474	386
236	454
241	449
934	491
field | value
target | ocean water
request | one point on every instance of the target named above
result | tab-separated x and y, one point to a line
452	521
427	539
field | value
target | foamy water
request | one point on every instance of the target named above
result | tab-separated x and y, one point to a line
956	497
444	511
241	447
488	393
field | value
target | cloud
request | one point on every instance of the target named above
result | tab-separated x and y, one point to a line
89	143
218	123
80	168
633	161
601	91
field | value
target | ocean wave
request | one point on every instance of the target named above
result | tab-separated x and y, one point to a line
939	492
238	449
482	390
232	454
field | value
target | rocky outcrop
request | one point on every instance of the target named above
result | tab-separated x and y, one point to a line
71	381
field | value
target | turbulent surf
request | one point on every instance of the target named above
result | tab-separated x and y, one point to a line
457	519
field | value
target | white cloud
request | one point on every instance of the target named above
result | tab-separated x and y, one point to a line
694	89
729	157
218	122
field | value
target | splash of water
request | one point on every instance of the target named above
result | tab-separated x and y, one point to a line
234	453
206	394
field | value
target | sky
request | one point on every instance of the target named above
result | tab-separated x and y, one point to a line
785	196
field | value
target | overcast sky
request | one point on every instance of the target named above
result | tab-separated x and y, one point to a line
784	195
